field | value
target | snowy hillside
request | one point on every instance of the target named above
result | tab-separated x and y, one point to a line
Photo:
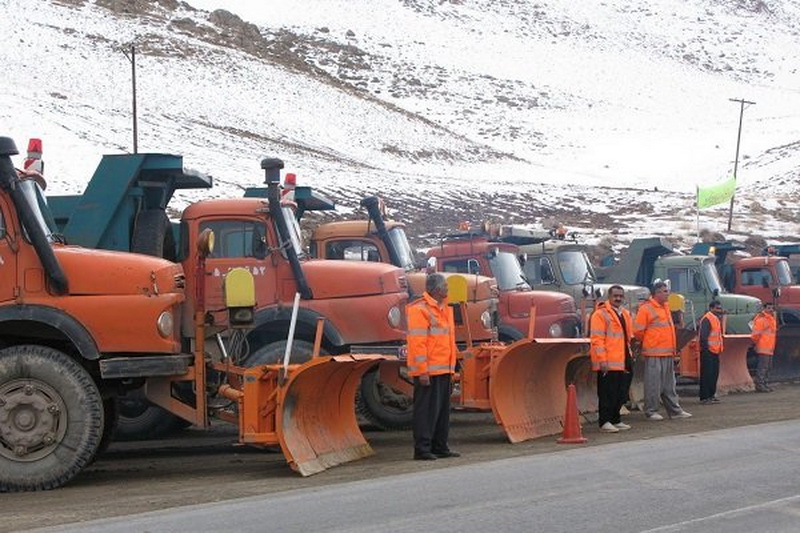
602	115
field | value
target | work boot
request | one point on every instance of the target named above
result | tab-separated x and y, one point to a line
448	453
424	456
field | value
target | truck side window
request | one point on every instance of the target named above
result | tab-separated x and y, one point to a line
236	238
460	266
352	251
757	277
679	280
539	271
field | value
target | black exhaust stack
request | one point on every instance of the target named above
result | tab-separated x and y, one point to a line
272	170
9	182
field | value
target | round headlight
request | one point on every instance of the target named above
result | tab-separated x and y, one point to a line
555	330
165	324
486	320
394	317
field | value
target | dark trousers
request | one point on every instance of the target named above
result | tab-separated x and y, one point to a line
709	373
432	415
611	392
627	380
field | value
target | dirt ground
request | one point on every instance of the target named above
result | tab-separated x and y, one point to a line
205	466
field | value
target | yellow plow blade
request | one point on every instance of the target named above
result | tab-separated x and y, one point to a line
733	373
528	385
316	419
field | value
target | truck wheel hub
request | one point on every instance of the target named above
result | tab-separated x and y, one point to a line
32	419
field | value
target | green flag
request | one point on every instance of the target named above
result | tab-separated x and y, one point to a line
715	194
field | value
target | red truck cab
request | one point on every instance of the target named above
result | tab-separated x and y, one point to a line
556	314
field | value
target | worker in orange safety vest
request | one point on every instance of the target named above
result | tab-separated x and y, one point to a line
711	346
654	330
431	363
765	330
611	329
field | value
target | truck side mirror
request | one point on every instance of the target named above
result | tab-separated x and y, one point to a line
473	267
715	293
776	292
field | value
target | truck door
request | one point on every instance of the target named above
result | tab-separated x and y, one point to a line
8	259
239	243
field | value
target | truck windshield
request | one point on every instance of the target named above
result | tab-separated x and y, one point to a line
784	273
507	271
712	278
575	267
403	248
294	231
41	211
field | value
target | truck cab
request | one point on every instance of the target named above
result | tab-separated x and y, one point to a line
358	240
693	276
470	253
767	277
563	265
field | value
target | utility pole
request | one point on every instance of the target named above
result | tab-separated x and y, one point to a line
736	161
132	58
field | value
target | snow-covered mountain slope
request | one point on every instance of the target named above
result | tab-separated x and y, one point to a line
602	115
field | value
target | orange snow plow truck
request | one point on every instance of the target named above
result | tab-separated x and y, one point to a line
79	327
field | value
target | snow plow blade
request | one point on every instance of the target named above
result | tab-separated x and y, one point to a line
528	385
733	373
310	412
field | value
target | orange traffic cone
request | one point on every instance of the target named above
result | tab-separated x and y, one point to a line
572	426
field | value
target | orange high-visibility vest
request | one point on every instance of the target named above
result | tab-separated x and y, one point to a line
654	329
715	335
765	328
431	337
608	337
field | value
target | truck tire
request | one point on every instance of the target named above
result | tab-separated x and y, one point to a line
111	417
51	418
382	406
273	352
138	418
152	235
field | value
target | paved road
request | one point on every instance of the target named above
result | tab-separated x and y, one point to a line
741	479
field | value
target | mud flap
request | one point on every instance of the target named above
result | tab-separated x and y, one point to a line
733	373
316	418
528	385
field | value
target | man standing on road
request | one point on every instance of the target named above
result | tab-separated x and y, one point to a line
710	349
431	362
610	331
765	329
655	331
